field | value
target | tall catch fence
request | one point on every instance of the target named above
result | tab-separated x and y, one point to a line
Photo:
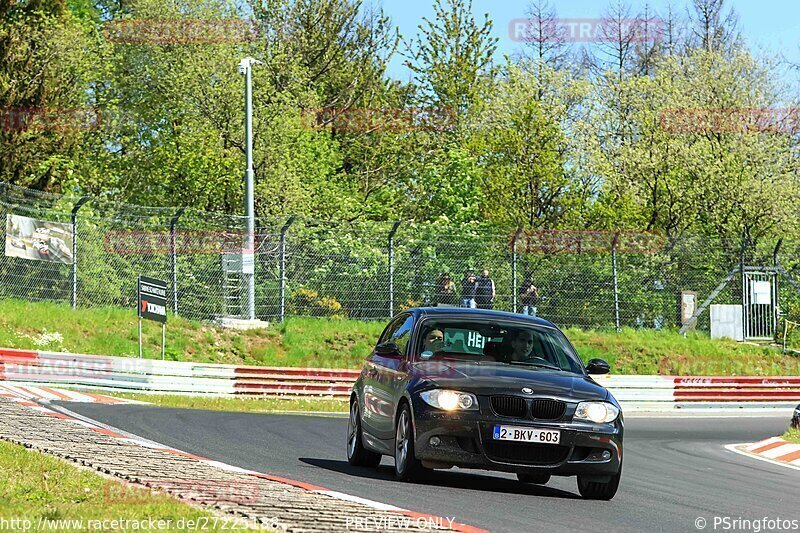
95	248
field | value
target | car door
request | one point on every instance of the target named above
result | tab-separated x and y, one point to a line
376	396
396	372
388	378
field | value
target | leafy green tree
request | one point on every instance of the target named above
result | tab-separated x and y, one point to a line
44	76
452	56
704	153
521	144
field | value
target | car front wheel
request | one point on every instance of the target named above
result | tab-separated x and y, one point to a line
357	454
592	490
406	465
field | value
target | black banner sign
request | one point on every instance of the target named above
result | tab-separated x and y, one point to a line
152	299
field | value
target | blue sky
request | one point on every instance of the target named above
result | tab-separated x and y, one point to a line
770	26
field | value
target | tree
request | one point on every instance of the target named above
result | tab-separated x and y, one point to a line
43	78
649	42
452	58
522	148
545	39
714	29
338	48
699	158
616	42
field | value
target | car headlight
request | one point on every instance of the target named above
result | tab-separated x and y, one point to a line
598	412
450	400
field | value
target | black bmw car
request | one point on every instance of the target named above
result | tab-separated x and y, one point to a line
490	390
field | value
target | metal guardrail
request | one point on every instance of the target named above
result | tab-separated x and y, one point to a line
146	375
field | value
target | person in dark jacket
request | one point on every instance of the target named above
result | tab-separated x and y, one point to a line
468	290
528	296
446	291
484	291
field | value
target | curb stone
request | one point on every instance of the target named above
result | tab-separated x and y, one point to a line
270	501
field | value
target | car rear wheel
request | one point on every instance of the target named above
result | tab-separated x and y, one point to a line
536	479
357	454
406	465
592	490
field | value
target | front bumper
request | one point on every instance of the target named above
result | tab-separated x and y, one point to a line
466	441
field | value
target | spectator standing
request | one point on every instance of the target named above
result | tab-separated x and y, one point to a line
468	290
446	290
528	296
484	291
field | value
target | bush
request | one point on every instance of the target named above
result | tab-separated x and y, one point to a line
307	302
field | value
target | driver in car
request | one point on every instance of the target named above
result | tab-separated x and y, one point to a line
521	345
434	341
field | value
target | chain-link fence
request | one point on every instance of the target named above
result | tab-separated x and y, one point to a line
370	270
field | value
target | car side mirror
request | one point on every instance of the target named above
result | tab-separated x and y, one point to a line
597	366
388	349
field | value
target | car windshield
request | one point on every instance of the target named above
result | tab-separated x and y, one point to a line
497	342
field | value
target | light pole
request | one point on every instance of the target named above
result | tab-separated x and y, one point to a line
248	263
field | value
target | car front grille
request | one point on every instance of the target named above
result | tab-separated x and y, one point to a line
509	406
544	409
516	407
526	453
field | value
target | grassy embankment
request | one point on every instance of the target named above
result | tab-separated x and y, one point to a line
344	344
45	489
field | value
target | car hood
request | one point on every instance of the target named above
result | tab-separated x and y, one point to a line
506	379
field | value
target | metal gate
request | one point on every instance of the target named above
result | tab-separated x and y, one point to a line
760	303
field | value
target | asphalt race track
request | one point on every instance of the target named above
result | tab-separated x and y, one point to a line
675	470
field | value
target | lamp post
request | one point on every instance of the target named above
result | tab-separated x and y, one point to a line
248	263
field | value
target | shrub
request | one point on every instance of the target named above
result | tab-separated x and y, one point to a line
307	302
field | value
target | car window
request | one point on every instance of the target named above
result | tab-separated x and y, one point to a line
540	350
560	348
493	341
403	334
389	334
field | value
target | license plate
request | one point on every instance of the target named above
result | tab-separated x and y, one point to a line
523	434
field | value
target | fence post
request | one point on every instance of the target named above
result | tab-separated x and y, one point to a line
514	269
777	289
81	201
282	303
615	277
174	259
742	267
391	267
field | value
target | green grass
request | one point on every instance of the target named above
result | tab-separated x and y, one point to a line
113	331
243	405
667	353
340	343
793	435
36	487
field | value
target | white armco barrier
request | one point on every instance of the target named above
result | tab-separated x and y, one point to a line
652	393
